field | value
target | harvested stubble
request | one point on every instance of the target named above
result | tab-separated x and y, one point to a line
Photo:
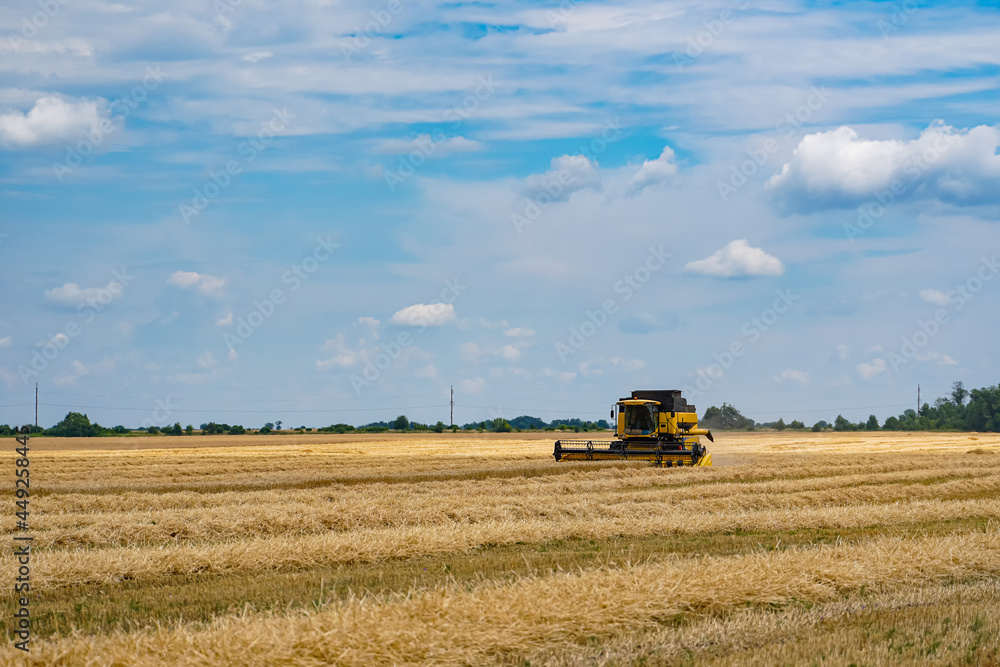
467	627
950	623
244	512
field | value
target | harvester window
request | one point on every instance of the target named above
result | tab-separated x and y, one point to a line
640	419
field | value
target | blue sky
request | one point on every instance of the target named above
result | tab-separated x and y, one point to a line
334	211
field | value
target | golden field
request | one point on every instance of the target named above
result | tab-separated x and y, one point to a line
472	549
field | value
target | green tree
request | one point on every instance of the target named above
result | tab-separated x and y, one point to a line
796	425
74	425
780	424
189	429
439	427
401	423
958	393
726	417
817	427
872	423
153	430
236	429
501	425
176	429
842	424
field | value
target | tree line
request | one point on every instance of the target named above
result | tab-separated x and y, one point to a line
961	410
78	425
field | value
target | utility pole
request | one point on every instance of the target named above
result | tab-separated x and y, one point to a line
452	418
918	400
36	404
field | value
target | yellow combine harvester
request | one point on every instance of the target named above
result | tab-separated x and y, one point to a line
657	426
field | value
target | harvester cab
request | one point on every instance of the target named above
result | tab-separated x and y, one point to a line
655	425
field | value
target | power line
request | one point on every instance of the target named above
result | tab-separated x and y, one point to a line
235	400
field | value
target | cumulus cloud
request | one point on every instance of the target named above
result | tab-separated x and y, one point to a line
51	120
518	332
343	357
790	374
430	315
737	259
206	360
568	174
868	371
839	169
72	295
653	172
934	296
204	282
510	353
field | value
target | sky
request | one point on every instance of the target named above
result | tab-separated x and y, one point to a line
337	211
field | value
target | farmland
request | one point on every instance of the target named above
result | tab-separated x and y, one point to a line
480	549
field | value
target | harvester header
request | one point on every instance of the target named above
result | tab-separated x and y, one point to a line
653	425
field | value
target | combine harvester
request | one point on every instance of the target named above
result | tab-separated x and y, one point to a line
657	426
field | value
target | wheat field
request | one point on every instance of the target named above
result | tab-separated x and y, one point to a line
474	549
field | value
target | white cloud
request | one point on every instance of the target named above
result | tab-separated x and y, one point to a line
511	353
473	386
568	174
793	375
868	371
840	169
518	332
344	357
106	365
5	341
71	294
51	120
60	339
564	376
431	315
653	172
205	283
934	296
233	354
372	324
206	360
225	321
941	359
597	366
427	146
427	371
257	56
469	352
737	259
843	351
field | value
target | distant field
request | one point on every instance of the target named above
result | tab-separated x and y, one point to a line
454	549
